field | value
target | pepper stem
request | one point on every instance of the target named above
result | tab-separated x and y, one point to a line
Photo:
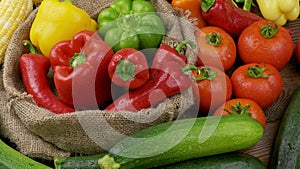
181	44
238	109
256	72
30	46
207	4
77	59
268	31
125	69
246	6
214	39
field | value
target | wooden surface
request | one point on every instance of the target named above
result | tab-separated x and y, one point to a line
291	81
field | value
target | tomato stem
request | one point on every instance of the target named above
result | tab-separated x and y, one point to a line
257	72
205	73
214	39
238	109
268	31
188	68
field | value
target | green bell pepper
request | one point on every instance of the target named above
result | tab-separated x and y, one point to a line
131	24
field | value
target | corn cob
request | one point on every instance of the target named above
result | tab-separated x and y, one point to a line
12	13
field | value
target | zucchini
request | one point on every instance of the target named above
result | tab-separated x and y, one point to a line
224	161
12	159
78	162
181	140
287	142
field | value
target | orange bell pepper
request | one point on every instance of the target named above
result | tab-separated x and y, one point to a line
192	6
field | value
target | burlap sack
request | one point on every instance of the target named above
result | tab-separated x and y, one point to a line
44	134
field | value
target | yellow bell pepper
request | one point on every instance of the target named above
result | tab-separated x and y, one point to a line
279	11
57	21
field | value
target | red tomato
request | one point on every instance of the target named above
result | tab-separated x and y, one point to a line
261	83
212	88
255	47
215	48
245	107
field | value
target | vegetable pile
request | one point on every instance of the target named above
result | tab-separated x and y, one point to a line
236	75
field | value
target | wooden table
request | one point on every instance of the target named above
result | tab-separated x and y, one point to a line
291	81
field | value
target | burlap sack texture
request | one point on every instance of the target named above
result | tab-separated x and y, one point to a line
42	134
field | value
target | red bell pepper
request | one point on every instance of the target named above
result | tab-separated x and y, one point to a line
224	14
129	68
166	80
80	70
33	69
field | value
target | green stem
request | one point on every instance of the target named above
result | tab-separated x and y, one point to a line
77	60
207	4
125	69
238	109
268	31
205	73
188	68
30	46
181	44
256	72
247	5
234	3
214	39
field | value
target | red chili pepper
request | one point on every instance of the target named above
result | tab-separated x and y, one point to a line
34	69
81	70
129	68
224	14
166	80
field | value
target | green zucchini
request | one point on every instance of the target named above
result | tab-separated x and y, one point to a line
12	159
224	161
78	162
181	140
287	142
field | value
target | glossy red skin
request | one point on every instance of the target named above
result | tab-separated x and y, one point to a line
141	68
88	86
230	18
255	48
210	94
222	56
255	110
263	91
166	79
166	54
34	69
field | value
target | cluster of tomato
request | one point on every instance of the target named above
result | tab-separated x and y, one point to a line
244	73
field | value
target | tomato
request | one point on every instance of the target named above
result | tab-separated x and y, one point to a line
297	50
241	106
261	83
212	88
215	48
265	42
